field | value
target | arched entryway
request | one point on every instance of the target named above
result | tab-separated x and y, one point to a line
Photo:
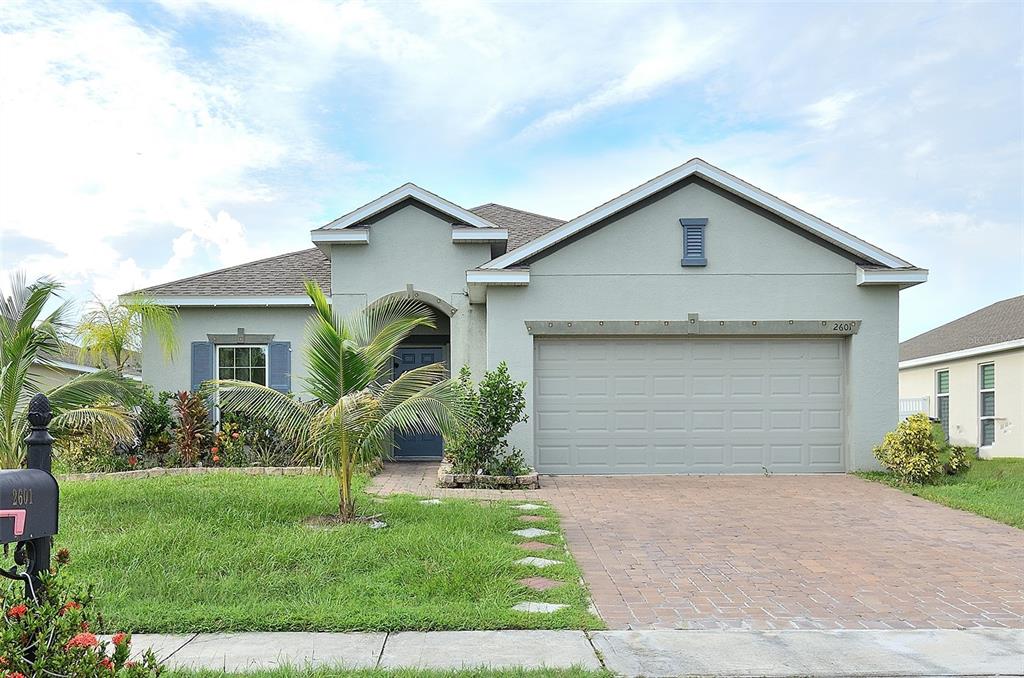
425	346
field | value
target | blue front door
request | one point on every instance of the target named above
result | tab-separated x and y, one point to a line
417	445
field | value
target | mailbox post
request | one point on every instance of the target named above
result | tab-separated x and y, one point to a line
39	455
29	502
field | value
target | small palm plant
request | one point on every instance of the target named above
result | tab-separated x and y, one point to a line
356	406
95	401
111	332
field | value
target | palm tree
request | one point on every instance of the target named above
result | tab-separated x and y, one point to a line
94	401
111	333
356	406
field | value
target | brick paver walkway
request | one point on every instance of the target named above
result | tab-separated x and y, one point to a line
785	552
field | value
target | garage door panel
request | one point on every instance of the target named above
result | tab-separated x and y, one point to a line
684	405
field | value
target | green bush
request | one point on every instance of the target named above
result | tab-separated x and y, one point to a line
55	635
910	452
495	407
959	459
88	452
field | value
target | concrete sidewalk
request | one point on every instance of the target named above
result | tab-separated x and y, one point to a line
978	652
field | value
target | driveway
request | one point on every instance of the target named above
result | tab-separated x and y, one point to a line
780	552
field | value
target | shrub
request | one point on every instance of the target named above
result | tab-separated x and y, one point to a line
910	452
959	460
260	443
54	636
193	433
497	406
88	452
154	423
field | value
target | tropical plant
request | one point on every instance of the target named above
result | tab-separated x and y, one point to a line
93	402
111	332
481	447
910	451
55	635
356	407
193	432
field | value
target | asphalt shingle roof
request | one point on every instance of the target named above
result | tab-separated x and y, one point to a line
522	226
283	275
1002	321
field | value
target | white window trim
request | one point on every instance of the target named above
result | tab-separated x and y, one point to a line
949	387
216	368
982	417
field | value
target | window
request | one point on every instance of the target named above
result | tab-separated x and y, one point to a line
987	404
246	363
694	246
942	399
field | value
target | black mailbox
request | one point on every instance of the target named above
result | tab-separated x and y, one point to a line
28	505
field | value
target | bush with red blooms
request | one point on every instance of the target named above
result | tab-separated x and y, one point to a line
57	635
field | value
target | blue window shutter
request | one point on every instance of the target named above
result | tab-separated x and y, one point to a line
280	357
694	242
202	362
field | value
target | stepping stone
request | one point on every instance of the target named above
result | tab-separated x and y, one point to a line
532	532
430	501
540	583
532	519
543	608
535	546
538	562
529	507
377	524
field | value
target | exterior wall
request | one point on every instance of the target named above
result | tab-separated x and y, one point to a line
918	382
412	246
49	377
757	270
193	324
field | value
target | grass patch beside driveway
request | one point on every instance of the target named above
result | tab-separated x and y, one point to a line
223	552
993	488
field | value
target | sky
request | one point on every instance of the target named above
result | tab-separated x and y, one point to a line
141	142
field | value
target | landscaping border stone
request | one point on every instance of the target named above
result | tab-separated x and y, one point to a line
447	478
160	471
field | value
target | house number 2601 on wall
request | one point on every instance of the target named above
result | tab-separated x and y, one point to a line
842	327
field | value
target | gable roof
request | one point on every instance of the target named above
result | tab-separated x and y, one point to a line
699	168
997	323
282	275
522	226
409	191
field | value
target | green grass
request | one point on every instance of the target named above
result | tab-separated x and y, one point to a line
993	488
399	673
221	552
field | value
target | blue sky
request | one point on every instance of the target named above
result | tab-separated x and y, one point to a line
143	142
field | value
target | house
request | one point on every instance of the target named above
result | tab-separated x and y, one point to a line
695	324
50	371
969	374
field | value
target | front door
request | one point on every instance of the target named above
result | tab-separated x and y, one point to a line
417	445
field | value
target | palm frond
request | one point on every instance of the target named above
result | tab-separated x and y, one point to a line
110	422
290	416
86	389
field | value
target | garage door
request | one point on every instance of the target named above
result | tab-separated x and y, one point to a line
681	405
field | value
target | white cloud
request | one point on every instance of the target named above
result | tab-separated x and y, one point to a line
826	113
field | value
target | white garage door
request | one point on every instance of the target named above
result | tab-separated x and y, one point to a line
682	405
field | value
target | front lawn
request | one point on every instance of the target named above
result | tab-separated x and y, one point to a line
993	488
223	552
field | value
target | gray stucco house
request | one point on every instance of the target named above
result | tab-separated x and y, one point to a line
695	324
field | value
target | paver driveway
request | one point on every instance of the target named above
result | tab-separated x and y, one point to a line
782	552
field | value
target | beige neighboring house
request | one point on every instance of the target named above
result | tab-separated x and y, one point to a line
694	324
55	370
969	374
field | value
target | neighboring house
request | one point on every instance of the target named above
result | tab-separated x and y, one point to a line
54	370
695	324
969	374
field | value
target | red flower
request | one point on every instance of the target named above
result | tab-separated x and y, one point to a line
216	459
107	664
17	611
133	460
83	640
215	450
120	638
235	435
70	605
15	674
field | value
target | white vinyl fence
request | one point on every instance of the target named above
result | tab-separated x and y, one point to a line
909	406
